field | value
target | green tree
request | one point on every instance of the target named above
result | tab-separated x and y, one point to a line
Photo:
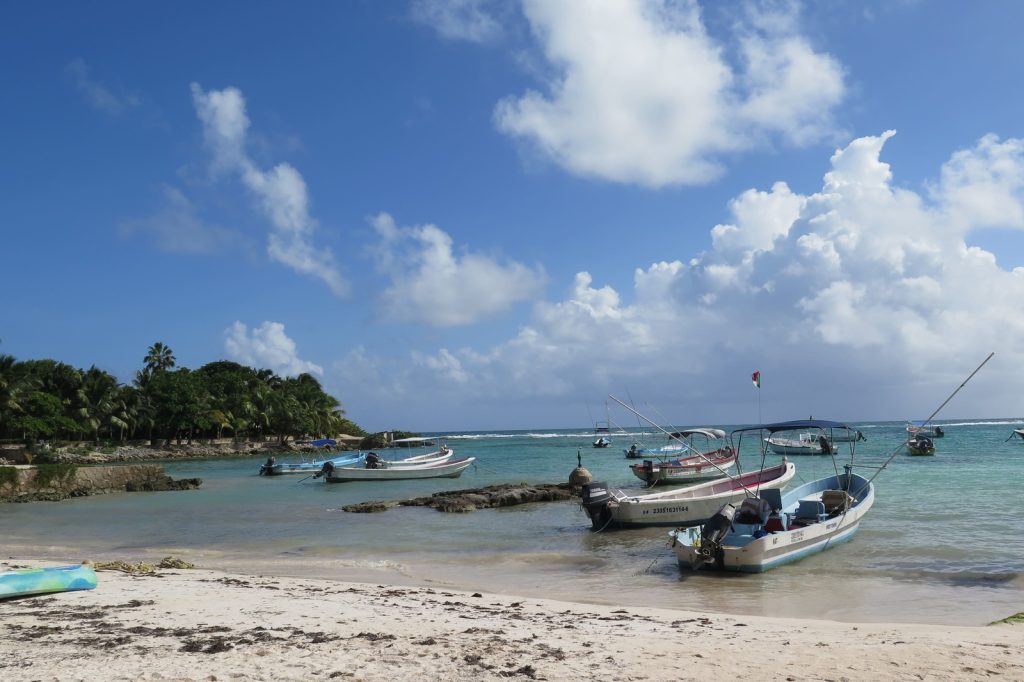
159	358
98	402
42	416
176	398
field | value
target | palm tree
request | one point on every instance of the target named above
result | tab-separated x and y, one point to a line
159	358
98	401
11	390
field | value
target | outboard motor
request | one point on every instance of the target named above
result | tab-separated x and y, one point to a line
712	533
826	447
268	468
372	461
595	499
325	470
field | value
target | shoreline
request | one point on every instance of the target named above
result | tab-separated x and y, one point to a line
199	624
88	453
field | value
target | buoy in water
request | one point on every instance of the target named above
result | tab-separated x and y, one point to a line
579	476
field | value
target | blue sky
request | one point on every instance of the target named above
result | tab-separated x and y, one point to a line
480	215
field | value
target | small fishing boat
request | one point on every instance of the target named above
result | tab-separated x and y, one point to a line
804	444
274	468
28	581
372	460
707	457
690	469
445	468
921	428
673	448
1018	432
602	442
920	445
678	506
774	529
771	529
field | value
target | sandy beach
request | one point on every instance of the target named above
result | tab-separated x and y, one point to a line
197	624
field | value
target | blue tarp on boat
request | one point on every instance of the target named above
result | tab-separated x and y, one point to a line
323	442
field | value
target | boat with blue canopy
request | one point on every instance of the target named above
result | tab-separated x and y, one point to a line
274	468
771	528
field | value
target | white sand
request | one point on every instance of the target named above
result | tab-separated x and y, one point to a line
205	625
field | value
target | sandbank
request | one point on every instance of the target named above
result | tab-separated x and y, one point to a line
197	624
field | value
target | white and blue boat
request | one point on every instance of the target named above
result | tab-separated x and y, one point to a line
772	528
676	446
924	428
274	468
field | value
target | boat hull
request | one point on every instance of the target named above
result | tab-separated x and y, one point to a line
666	472
791	446
286	468
446	469
694	505
751	549
31	581
647	453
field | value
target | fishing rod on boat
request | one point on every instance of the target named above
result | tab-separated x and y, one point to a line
704	456
899	447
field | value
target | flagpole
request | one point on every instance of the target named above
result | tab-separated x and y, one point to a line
756	379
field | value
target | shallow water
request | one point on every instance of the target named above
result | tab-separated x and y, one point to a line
940	545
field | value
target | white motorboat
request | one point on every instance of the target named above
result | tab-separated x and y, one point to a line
804	444
447	468
775	529
274	468
679	506
706	456
771	529
924	428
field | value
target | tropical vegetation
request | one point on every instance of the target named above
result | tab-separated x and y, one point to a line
54	401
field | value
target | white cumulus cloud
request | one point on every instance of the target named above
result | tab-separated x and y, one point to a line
267	346
280	191
433	284
640	92
863	294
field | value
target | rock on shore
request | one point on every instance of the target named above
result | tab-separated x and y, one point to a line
504	495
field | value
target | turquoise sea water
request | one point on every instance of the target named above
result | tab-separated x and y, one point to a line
942	544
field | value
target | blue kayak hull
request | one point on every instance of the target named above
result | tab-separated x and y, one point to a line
29	581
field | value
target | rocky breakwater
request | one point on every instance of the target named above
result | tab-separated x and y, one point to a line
58	481
504	495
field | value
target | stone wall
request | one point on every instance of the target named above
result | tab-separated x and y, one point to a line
51	482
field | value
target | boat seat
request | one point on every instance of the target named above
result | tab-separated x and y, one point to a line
811	510
753	510
836	501
774	524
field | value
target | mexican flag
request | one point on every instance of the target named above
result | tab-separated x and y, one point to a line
756	378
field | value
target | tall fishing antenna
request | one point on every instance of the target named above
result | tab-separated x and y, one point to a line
937	410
